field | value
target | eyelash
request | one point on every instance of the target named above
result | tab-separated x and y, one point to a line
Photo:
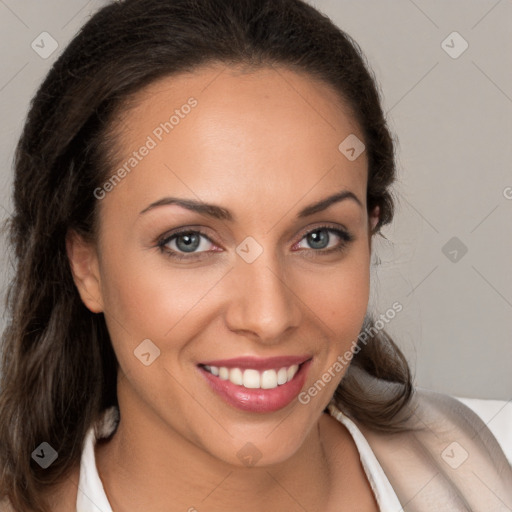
345	237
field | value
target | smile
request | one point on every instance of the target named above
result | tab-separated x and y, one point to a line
254	379
257	385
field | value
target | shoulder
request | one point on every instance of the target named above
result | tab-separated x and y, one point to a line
445	455
497	415
60	498
447	417
442	423
63	497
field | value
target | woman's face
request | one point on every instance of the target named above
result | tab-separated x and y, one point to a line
245	280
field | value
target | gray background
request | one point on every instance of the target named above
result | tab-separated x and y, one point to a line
453	120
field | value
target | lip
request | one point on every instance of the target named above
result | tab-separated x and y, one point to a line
257	400
256	363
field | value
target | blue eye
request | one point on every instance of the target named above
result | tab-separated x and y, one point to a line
189	244
319	238
186	242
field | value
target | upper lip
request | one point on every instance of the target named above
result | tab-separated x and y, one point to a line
256	363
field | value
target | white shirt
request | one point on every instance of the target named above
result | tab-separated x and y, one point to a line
91	495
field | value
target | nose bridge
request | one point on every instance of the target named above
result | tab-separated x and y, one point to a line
263	302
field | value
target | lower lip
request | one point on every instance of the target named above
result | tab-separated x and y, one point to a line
258	400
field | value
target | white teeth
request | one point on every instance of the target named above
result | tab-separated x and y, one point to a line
292	371
253	379
269	379
236	376
282	376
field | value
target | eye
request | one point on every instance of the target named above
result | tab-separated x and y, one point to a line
321	239
186	244
190	244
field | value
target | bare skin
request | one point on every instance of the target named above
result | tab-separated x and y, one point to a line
348	487
262	144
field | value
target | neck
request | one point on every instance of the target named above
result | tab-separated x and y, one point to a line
146	461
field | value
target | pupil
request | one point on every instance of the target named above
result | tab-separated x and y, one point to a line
191	242
319	239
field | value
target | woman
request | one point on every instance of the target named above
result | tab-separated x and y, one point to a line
196	191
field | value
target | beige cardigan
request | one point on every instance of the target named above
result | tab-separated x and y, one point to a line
448	461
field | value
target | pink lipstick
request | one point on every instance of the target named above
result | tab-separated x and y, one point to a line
256	384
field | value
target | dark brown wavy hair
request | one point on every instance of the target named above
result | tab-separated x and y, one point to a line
58	368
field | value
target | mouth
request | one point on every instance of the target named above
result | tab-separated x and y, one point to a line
257	385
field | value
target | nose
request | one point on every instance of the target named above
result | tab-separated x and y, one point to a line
262	302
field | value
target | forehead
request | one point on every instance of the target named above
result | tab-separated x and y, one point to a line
220	129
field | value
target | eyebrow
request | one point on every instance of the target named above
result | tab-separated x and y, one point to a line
217	212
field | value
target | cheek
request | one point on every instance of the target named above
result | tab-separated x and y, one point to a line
338	303
338	296
146	296
339	306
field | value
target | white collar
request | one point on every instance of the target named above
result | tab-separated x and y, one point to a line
91	495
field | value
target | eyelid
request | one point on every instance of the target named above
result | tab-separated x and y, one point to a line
163	240
182	256
183	230
340	230
327	226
